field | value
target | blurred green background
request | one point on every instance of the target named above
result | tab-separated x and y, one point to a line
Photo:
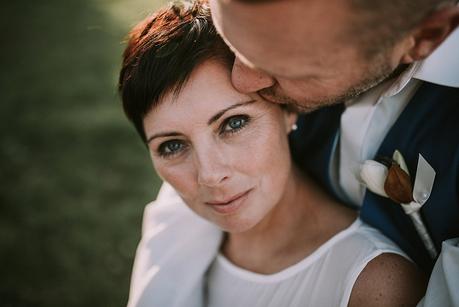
74	174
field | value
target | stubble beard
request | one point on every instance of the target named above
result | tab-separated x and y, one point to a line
380	73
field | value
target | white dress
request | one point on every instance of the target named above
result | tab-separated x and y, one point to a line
178	250
324	278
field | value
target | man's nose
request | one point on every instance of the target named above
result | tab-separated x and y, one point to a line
213	169
248	80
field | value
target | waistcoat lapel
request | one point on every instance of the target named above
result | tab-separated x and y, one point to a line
429	126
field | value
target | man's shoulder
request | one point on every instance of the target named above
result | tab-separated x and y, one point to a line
176	248
155	215
168	209
169	218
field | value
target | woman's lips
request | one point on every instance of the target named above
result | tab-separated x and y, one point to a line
230	205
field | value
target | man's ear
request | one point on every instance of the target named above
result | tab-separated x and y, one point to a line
431	32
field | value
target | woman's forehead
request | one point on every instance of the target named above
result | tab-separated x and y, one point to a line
206	92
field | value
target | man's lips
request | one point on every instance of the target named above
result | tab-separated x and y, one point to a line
293	105
269	98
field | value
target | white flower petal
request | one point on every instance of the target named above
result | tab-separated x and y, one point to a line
374	174
397	156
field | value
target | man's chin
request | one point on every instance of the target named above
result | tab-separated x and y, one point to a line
305	106
302	108
308	106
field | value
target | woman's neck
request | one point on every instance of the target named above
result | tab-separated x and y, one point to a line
304	219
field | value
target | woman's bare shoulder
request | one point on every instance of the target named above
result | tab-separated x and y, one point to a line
388	280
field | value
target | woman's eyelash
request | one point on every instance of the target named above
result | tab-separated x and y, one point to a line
170	148
234	124
231	125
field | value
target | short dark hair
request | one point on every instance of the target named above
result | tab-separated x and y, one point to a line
382	23
161	53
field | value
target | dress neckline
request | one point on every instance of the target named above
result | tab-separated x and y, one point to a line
233	269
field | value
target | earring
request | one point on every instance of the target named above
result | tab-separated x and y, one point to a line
294	127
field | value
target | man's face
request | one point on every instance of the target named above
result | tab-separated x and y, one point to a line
302	52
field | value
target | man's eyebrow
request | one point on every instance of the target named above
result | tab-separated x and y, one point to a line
161	135
220	114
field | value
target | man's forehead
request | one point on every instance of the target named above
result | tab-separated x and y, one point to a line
284	18
258	4
276	36
239	22
253	1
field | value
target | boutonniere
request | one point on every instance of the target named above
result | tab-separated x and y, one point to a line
391	178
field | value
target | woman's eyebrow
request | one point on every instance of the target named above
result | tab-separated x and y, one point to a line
162	134
220	114
211	120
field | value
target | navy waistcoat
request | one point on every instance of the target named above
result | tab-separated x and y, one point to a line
429	125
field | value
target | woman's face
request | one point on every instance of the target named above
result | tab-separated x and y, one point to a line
226	154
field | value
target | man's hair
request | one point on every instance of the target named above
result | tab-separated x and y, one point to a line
382	23
161	53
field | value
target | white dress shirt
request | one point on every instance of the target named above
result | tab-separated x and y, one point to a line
365	123
368	118
443	289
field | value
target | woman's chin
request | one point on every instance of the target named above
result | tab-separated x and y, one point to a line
236	225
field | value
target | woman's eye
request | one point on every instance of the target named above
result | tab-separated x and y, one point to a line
169	148
234	123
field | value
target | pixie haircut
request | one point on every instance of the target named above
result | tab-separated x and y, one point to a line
162	52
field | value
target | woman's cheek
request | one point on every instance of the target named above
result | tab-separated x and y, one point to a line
271	152
179	176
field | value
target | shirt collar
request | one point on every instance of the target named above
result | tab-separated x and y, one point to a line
441	67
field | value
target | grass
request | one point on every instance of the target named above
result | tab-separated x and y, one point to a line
74	176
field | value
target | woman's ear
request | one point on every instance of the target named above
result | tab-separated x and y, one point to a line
431	32
290	119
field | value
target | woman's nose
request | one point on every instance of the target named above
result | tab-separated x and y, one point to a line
212	168
248	80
